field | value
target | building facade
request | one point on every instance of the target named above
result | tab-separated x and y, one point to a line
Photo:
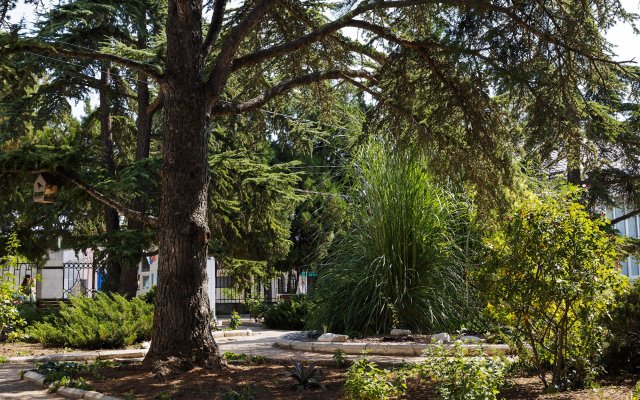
628	227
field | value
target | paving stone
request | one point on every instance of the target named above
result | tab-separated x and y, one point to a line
91	395
304	346
354	348
441	337
399	349
284	343
471	339
243	332
71	393
34	377
110	354
400	332
376	348
74	357
324	347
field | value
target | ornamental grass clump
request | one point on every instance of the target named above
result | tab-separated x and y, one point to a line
404	261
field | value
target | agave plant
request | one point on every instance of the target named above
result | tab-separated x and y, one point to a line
306	376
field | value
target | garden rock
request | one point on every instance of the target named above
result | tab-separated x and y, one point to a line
332	337
400	332
441	337
471	339
145	345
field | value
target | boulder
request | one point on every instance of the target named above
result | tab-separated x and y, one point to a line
471	339
326	337
340	338
400	332
332	337
441	337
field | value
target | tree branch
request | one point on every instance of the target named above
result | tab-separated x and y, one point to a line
625	216
284	87
52	50
148	220
156	104
215	26
320	33
222	66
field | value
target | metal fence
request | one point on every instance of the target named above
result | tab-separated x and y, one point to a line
268	291
55	282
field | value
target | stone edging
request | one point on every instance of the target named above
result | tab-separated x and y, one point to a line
70	393
237	332
81	356
388	349
109	354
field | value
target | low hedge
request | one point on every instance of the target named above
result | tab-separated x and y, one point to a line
102	322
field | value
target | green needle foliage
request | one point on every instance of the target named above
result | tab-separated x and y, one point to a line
403	262
108	321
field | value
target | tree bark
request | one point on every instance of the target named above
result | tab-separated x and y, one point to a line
111	218
181	335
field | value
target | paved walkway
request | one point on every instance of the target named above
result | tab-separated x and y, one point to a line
11	387
260	343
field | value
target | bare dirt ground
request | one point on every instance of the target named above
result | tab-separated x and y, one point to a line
272	382
27	349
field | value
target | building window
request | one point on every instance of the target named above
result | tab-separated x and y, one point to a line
146	282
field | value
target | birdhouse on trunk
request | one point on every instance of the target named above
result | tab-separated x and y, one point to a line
45	188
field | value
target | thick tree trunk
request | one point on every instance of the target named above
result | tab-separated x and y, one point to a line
111	218
181	336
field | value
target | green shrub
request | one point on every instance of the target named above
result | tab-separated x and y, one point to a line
623	321
150	295
234	320
58	374
243	358
402	264
339	358
108	321
365	381
457	377
288	314
552	275
10	318
256	308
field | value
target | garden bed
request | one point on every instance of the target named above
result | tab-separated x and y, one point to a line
36	352
18	349
271	382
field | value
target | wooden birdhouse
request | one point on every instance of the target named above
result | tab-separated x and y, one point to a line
45	188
